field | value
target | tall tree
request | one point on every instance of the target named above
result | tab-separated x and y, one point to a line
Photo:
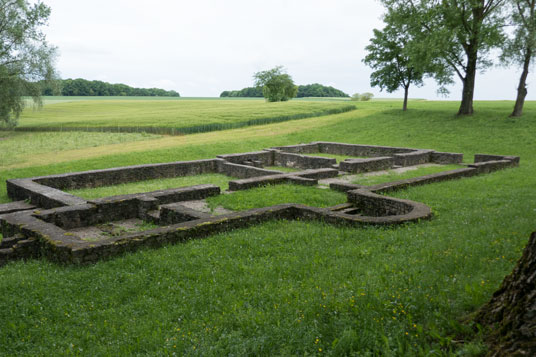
25	57
276	85
390	60
457	35
521	47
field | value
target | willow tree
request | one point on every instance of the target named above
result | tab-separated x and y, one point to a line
26	60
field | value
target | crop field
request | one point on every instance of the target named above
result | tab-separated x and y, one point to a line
280	288
170	116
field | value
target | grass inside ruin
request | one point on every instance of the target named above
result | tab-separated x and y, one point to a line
153	185
397	174
277	194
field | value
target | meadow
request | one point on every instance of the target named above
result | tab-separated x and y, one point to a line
287	288
168	116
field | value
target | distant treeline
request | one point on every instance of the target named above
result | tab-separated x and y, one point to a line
309	90
82	87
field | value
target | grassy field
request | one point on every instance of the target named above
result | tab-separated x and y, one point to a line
170	116
290	288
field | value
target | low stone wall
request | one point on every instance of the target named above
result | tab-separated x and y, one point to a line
117	208
265	157
31	232
114	176
307	177
302	161
310	148
367	165
445	158
61	245
423	180
40	195
490	166
485	157
418	157
372	204
15	207
360	150
174	213
243	171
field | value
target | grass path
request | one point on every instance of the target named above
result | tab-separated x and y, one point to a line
251	133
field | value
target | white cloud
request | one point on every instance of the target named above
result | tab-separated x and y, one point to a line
203	47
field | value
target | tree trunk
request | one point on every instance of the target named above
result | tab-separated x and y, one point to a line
406	91
522	88
511	312
466	107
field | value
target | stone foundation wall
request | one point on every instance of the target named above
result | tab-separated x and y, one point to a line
265	157
418	157
445	158
360	150
243	171
302	161
367	165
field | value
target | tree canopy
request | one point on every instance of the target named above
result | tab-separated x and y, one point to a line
82	87
308	90
25	56
388	56
452	37
276	85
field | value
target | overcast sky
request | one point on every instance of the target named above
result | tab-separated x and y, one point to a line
203	47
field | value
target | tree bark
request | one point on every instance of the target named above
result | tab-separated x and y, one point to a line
466	107
405	105
511	312
522	87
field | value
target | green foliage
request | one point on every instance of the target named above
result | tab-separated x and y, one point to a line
249	92
390	58
319	90
450	38
365	97
310	90
523	16
25	56
83	87
355	97
277	86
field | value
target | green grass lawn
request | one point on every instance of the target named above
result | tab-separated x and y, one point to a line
276	194
293	288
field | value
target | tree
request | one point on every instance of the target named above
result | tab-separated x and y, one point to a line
391	62
455	36
276	85
510	313
521	47
25	57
